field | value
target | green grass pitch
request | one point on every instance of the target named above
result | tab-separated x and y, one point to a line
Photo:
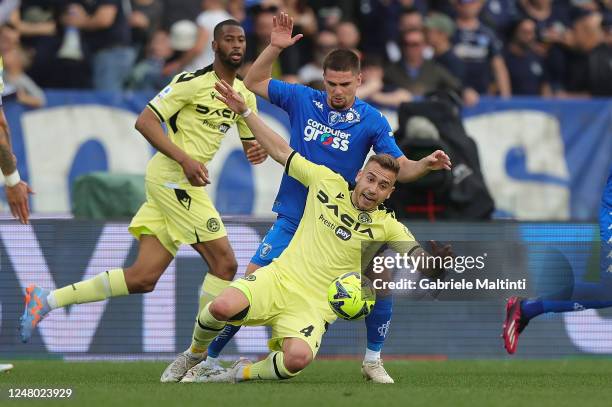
571	382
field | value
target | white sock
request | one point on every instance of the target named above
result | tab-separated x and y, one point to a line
210	361
51	301
371	355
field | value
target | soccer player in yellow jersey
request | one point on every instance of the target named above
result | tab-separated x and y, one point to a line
177	210
16	190
290	294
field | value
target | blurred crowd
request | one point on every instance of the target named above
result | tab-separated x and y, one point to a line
409	48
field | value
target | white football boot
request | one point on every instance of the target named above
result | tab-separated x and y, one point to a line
375	371
204	374
177	369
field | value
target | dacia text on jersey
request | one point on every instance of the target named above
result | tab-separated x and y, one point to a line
341	231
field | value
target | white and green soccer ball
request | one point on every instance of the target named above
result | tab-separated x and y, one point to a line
351	296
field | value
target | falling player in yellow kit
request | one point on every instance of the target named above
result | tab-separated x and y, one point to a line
177	210
290	294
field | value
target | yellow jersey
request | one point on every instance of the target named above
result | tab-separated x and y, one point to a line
196	121
333	237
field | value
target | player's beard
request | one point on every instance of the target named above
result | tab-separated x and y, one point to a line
227	60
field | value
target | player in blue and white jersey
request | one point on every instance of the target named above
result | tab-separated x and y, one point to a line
519	311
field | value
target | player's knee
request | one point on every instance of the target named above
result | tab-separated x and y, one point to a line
297	359
220	309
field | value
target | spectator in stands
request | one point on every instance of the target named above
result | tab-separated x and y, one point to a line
106	32
6	9
313	72
439	29
304	18
372	85
552	23
177	10
416	74
588	65
287	65
499	15
236	9
17	83
9	38
305	22
145	20
528	75
348	35
480	50
201	54
409	19
148	74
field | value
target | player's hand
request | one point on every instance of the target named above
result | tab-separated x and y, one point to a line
437	160
438	250
17	197
230	97
281	31
256	154
196	172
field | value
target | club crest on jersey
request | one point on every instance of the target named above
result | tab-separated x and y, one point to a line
351	116
266	248
224	127
364	218
213	225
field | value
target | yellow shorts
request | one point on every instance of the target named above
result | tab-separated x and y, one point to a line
279	305
177	216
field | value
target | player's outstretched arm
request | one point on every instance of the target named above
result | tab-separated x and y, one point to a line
17	191
259	75
276	146
412	170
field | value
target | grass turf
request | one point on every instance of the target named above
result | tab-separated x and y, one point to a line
327	383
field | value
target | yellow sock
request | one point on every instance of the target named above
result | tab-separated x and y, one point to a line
110	283
206	329
271	368
211	287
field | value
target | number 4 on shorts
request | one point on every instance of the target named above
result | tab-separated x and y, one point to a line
307	331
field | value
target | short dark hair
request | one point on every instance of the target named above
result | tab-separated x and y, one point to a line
219	27
386	161
342	60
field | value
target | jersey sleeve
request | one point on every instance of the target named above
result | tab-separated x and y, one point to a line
283	94
384	140
305	171
173	97
243	130
399	237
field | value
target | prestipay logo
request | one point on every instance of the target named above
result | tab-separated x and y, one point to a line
327	136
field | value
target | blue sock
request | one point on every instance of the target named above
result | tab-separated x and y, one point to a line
565	306
377	323
217	345
533	308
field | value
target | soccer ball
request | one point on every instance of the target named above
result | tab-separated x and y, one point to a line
351	296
